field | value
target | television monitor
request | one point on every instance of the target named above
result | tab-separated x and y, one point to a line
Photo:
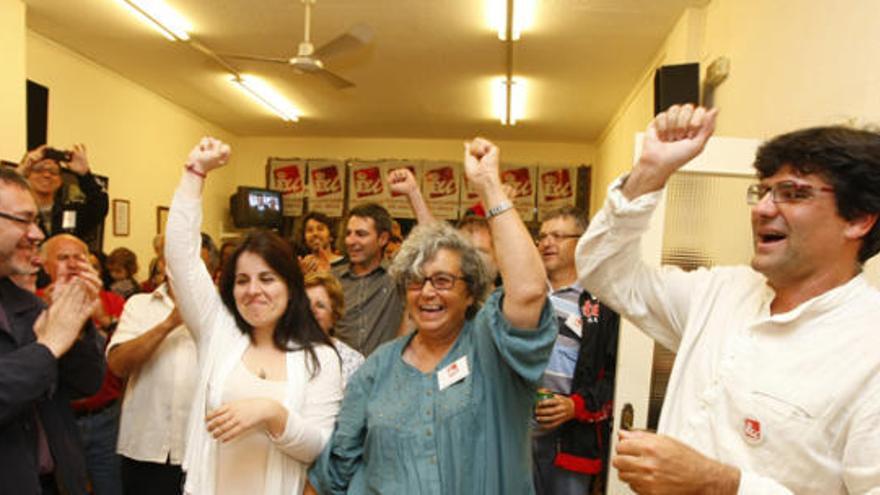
254	207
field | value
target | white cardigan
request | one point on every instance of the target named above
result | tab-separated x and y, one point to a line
312	405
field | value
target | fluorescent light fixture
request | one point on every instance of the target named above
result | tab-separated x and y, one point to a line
523	17
158	15
517	95
265	95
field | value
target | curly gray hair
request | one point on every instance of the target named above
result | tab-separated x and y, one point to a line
422	245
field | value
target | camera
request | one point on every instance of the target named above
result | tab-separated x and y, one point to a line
57	155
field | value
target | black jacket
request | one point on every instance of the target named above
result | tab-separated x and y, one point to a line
584	441
90	209
33	382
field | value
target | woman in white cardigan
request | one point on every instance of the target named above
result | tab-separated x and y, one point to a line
269	382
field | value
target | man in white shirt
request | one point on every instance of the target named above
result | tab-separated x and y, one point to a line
776	383
157	354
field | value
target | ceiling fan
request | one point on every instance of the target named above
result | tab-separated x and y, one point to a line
309	60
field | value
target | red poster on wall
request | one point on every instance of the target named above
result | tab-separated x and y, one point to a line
557	188
519	180
366	183
326	193
286	175
440	188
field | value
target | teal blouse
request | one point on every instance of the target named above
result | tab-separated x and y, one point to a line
398	433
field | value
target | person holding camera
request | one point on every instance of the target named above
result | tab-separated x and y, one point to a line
60	212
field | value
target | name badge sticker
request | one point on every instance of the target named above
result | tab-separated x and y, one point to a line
454	373
575	323
68	219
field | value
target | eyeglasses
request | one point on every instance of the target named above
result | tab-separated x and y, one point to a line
554	236
787	191
440	281
22	220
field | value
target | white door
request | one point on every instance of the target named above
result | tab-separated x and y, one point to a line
706	201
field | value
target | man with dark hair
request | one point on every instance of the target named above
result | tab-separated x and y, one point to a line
45	358
373	306
570	442
776	382
319	236
58	211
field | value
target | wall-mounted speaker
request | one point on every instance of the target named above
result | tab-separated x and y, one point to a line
676	85
37	114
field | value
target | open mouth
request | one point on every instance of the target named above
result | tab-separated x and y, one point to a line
769	238
431	310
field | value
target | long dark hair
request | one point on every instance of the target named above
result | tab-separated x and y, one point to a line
297	329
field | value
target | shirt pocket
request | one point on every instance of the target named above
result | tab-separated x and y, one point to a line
791	429
456	399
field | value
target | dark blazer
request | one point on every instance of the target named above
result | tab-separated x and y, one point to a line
33	382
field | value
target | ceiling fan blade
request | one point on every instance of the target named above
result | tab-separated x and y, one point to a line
357	36
256	58
337	81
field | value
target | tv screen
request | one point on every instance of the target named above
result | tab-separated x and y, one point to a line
253	207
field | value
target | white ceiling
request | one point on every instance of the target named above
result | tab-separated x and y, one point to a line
427	73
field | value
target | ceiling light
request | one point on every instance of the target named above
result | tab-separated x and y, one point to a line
160	17
265	95
509	96
523	17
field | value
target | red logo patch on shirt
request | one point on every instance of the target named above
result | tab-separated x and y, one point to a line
752	431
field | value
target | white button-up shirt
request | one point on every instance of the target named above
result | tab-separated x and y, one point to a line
791	399
158	396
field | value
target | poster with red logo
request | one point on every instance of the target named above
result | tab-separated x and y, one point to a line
440	188
287	176
557	187
519	179
326	192
398	203
366	183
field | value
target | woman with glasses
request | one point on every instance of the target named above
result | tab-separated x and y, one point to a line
446	409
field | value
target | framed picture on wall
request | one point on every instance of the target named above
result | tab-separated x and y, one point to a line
121	217
161	219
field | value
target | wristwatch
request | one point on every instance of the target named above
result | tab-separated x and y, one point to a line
498	209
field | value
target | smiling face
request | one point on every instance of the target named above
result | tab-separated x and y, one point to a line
559	238
796	242
317	235
261	295
363	243
18	241
45	177
440	312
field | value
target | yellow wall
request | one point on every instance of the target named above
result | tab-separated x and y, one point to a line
12	84
794	63
133	136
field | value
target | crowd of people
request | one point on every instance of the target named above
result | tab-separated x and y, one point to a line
465	358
